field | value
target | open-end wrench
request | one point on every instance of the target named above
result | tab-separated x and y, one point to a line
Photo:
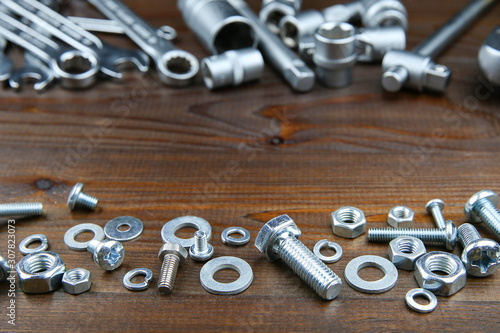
110	57
6	64
175	67
34	70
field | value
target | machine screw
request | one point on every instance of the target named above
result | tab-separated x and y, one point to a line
21	209
278	240
435	208
481	256
77	198
172	256
482	207
201	250
107	254
446	237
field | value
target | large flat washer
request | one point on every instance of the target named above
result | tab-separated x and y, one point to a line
112	231
213	266
69	236
169	229
371	287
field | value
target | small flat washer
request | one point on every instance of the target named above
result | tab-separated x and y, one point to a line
112	231
228	239
23	246
127	279
69	236
371	287
331	245
410	300
213	266
169	229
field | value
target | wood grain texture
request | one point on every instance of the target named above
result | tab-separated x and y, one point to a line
240	157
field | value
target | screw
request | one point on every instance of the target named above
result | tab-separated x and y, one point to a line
172	256
201	250
482	207
435	208
481	256
107	254
77	198
446	237
278	239
23	209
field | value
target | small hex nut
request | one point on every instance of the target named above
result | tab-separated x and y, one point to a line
404	252
400	217
348	222
40	272
76	281
442	285
173	248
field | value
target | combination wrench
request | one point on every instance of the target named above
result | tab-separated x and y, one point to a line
175	67
34	70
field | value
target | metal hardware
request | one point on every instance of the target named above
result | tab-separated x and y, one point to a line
404	252
40	272
410	300
228	239
4	269
435	208
172	256
21	209
33	70
107	254
489	57
77	198
44	244
76	281
371	287
273	11
348	222
127	279
70	235
213	266
134	228
6	64
400	217
481	256
324	243
201	250
482	207
168	230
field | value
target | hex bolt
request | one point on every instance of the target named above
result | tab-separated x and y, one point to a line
107	254
482	207
172	256
77	198
201	250
435	208
445	237
481	256
278	240
21	209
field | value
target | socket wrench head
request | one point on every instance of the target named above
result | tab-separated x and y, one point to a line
373	44
384	13
293	28
274	10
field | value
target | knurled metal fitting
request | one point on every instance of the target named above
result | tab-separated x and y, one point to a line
77	198
482	207
481	256
172	256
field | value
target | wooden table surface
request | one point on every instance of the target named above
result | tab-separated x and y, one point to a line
239	157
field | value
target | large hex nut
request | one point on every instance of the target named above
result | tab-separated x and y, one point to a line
400	217
404	252
348	222
40	272
76	281
445	263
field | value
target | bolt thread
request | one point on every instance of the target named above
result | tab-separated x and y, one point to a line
200	242
428	236
467	234
168	273
21	209
87	201
489	214
310	269
437	214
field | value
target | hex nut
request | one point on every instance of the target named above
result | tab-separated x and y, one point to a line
400	217
40	272
348	222
404	252
444	262
76	281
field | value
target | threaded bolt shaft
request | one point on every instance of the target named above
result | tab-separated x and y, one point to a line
77	198
435	208
21	209
467	234
489	214
200	241
168	273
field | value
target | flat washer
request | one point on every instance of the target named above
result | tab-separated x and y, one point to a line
213	266
332	246
112	231
227	239
23	246
371	287
169	229
127	279
69	236
410	300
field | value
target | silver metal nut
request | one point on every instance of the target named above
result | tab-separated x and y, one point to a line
76	281
40	272
400	217
348	222
404	252
445	263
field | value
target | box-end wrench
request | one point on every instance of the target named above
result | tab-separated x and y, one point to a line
489	57
175	67
6	65
33	70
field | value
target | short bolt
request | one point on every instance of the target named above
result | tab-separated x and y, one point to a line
481	256
435	208
278	240
107	254
77	198
21	209
172	256
445	237
482	207
201	250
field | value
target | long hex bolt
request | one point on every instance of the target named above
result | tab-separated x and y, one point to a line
482	207
435	208
21	209
172	256
77	198
481	256
278	240
446	237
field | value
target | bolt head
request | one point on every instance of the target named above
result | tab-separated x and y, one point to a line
469	206
108	254
268	236
432	203
173	248
201	256
482	257
74	194
451	235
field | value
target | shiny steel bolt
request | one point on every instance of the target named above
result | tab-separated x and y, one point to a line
77	198
482	207
481	256
201	250
435	208
107	254
446	237
172	256
21	209
278	240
